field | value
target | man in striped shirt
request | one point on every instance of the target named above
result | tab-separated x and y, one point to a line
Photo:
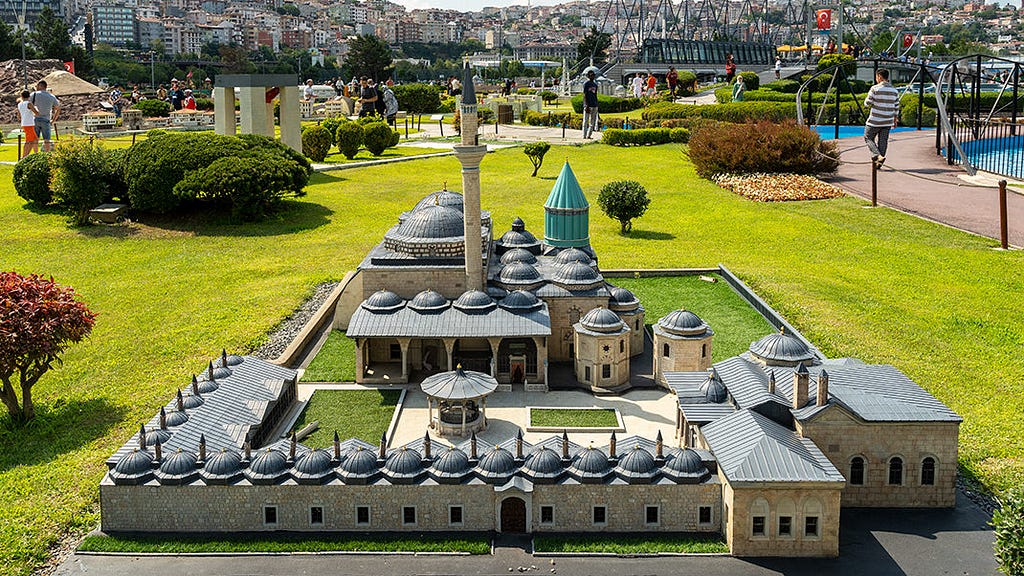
884	101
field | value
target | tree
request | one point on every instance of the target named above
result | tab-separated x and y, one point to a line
624	200
9	46
39	319
594	45
50	35
368	56
1008	522
535	151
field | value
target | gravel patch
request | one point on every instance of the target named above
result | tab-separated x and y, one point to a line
975	494
283	334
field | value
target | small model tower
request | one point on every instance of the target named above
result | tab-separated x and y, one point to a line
567	213
470	154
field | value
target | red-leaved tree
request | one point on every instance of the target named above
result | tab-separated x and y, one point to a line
38	320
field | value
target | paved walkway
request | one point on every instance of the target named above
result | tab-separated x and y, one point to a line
917	181
877	542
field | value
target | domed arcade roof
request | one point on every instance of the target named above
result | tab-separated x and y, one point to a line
520	300
576	275
573	255
781	349
602	320
519	273
428	301
383	301
622	300
518	255
474	301
432	222
590	464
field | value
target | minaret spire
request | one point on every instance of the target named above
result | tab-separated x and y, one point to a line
469	154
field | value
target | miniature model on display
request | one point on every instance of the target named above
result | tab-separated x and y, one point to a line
768	447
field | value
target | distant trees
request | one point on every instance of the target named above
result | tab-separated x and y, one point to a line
595	44
369	56
39	320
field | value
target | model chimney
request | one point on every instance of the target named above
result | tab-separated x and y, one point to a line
823	388
611	446
801	380
426	446
771	382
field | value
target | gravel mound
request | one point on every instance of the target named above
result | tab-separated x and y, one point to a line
281	336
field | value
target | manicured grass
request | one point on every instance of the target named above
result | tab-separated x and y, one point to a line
396	152
361	414
625	544
941	305
335	362
311	543
573	418
734	322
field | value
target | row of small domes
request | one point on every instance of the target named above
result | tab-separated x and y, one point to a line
570	274
385	301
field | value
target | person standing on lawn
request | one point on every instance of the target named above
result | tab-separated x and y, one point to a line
28	124
883	100
672	78
590	111
47	105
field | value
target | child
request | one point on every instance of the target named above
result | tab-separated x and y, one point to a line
28	124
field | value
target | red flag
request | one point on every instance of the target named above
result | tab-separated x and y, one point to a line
908	40
824	19
189	75
70	66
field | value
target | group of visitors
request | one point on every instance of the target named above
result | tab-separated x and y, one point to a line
178	96
644	84
38	110
378	99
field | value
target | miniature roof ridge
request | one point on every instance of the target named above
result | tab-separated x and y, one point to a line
567	194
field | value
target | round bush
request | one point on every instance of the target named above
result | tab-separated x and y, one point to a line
153	108
349	138
377	137
80	170
32	179
316	142
751	80
331	123
624	200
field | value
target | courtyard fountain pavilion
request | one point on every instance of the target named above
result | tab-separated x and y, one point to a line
540	301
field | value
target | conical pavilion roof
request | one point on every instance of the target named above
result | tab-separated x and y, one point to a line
459	384
566	193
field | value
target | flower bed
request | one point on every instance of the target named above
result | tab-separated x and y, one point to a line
777	187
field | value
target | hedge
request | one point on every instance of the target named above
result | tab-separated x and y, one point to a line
418	98
987	101
731	112
724	96
608	104
644	136
768	147
153	108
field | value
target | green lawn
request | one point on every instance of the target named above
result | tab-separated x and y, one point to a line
397	152
334	362
941	305
624	544
304	543
735	323
361	414
573	418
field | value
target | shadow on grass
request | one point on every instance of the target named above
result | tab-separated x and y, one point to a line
58	428
649	235
41	210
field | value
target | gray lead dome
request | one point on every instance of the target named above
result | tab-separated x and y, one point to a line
221	466
496	464
444	198
519	273
683	323
358	464
601	320
474	301
428	301
520	300
781	349
383	301
622	299
518	255
590	464
403	464
576	274
134	463
573	255
432	222
713	388
543	463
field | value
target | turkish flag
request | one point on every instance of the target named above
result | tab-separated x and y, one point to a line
70	66
824	19
908	40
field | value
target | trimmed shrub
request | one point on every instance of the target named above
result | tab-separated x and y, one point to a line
751	79
783	86
829	60
418	98
731	112
154	108
349	137
687	83
625	201
908	112
331	123
644	136
32	178
607	104
762	147
377	137
548	96
535	151
316	142
679	135
1008	522
79	178
204	104
253	186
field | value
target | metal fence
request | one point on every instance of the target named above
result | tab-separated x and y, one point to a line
660	51
992	146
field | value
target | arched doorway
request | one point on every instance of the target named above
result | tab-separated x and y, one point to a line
513	515
517	373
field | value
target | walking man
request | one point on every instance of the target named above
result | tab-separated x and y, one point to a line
672	78
882	99
778	68
47	107
589	106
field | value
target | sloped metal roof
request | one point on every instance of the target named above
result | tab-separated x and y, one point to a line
449	323
881	393
750	447
459	384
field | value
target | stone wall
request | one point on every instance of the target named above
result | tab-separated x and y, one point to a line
772	501
407	282
590	353
684	354
240	507
564	313
842	437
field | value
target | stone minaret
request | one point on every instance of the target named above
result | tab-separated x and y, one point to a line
470	154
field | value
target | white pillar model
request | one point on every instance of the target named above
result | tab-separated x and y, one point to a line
224	111
470	154
291	127
253	104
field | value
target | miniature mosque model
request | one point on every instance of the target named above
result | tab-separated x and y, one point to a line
769	445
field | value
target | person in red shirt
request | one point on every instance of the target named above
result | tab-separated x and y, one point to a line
652	84
189	103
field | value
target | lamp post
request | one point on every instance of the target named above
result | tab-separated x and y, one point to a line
152	70
24	30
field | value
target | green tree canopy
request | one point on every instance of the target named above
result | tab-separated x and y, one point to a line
9	45
594	44
50	35
369	56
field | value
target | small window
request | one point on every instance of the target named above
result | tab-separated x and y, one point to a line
395	352
704	515
622	346
857	471
572	350
606	370
408	515
455	515
316	515
811	526
547	514
785	525
586	374
600	515
652	515
758	528
664	350
362	515
928	472
703	350
636	324
896	472
270	515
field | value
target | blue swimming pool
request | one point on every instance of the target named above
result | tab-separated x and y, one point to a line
829	132
1004	155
